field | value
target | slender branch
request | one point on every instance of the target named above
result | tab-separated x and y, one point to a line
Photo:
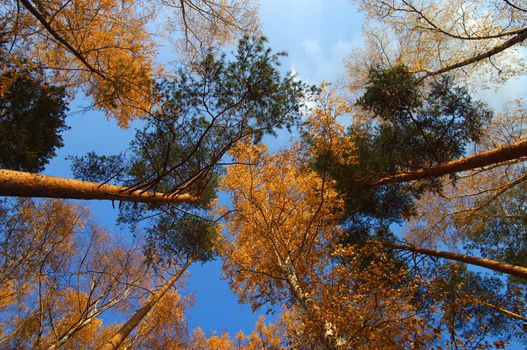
517	39
60	39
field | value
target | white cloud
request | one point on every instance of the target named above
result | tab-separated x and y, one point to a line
320	62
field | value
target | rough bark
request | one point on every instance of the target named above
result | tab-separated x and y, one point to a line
118	338
497	155
22	184
509	269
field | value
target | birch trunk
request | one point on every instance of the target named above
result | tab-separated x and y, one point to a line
330	339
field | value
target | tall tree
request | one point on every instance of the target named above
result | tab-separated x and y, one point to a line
403	136
60	274
481	210
120	336
280	251
215	103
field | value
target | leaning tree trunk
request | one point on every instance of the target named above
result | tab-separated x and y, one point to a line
22	184
118	338
497	155
509	269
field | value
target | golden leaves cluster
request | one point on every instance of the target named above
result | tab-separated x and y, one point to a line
282	212
325	129
281	248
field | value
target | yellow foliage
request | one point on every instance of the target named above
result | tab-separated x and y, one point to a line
324	130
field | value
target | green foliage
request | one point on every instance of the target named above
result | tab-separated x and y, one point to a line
391	92
410	129
32	116
93	167
182	148
422	130
190	237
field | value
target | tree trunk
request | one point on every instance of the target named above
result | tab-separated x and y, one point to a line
329	338
140	314
497	155
22	184
509	269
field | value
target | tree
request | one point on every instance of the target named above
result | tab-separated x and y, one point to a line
264	336
165	326
32	115
281	250
502	154
512	270
61	275
214	104
114	64
405	136
333	149
478	39
482	210
16	183
117	339
170	242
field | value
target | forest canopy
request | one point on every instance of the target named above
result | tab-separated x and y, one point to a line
382	210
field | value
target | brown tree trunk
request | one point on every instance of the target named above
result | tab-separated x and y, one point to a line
22	184
509	269
516	39
140	314
497	155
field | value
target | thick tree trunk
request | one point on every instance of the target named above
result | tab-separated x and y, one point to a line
497	155
509	269
140	314
22	184
517	39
